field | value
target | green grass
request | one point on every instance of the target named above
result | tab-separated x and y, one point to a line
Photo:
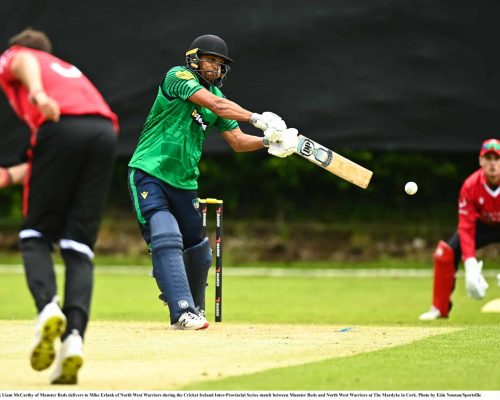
468	359
145	259
465	360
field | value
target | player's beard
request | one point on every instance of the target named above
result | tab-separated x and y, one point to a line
210	76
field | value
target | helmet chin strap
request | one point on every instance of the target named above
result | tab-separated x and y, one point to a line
205	81
216	82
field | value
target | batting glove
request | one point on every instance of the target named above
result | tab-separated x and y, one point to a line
272	125
286	145
475	284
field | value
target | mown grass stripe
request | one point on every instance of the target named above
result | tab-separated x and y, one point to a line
272	272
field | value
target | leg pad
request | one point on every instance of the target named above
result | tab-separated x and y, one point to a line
197	260
444	277
168	264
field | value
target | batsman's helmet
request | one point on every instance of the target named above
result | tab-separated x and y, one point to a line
210	45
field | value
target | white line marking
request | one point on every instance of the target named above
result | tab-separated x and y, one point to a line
272	272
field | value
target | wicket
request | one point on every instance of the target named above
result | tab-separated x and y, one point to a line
218	249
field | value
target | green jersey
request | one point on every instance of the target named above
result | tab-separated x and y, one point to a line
171	141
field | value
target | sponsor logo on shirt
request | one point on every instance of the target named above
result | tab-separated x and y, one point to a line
199	120
186	75
493	216
144	195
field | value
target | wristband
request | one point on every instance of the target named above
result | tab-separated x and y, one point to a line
254	118
265	142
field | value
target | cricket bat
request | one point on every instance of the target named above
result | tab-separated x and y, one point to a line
333	162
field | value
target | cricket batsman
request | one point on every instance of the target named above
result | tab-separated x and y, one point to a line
163	171
478	226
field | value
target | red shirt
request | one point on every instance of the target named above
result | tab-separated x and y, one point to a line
65	83
476	201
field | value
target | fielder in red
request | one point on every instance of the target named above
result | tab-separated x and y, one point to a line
478	226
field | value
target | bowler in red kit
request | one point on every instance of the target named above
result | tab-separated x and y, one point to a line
66	181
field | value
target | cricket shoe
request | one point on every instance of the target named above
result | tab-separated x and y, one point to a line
431	315
69	361
200	312
50	325
190	321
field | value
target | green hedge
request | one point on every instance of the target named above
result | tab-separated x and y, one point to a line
255	185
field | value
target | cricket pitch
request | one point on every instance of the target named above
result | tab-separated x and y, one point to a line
150	356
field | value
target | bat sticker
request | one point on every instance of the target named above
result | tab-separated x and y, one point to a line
307	149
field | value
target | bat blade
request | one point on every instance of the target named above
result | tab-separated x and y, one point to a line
333	162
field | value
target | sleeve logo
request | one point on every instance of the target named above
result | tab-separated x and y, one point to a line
186	75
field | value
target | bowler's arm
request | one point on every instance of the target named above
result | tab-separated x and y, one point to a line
26	68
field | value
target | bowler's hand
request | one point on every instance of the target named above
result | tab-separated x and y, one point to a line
5	178
47	105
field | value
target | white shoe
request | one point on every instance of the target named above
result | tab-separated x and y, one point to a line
430	315
190	321
70	360
51	324
200	312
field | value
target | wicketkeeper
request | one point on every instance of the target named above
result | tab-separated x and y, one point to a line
164	171
478	226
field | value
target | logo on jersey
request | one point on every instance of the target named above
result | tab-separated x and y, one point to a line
186	75
462	203
71	72
199	120
144	195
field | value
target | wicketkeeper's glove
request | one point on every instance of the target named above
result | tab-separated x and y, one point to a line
475	284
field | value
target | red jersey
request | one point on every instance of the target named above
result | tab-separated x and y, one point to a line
476	201
64	82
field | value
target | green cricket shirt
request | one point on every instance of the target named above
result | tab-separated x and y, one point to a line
170	144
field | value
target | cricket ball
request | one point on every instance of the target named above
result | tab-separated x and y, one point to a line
411	188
